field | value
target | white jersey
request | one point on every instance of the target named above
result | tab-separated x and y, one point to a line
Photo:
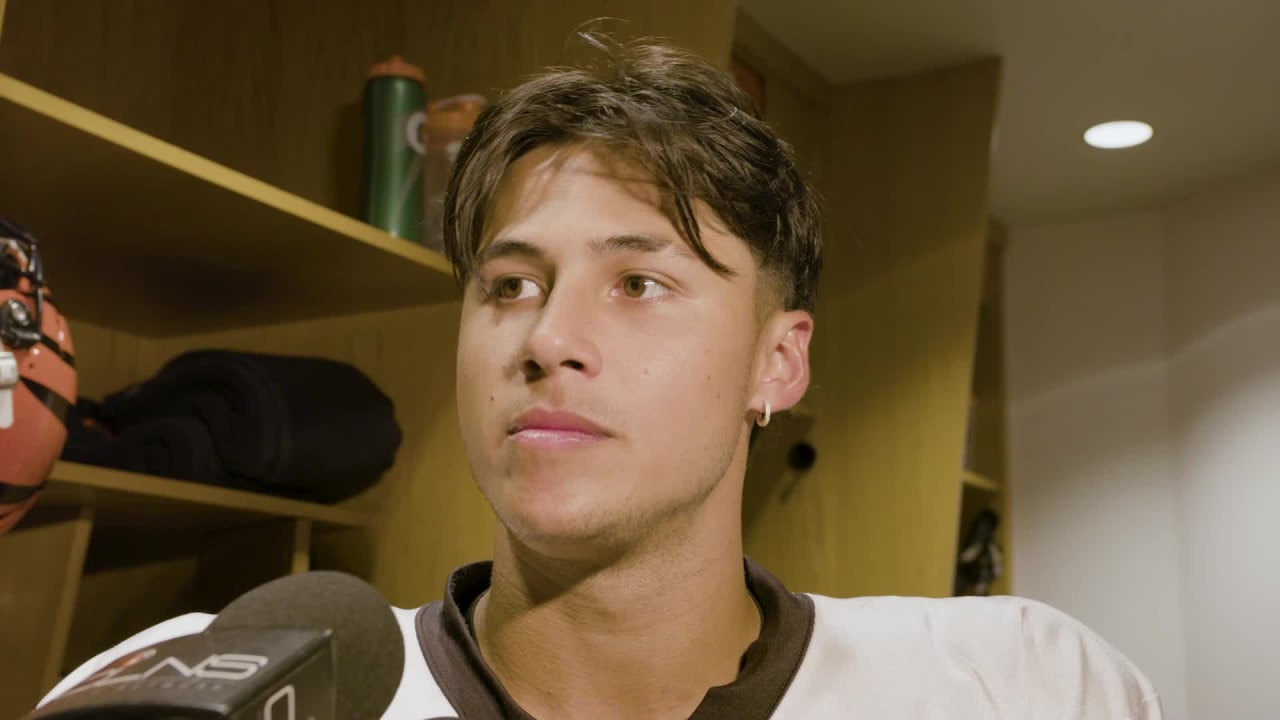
870	658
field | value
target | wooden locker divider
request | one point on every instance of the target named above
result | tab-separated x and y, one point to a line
40	565
990	444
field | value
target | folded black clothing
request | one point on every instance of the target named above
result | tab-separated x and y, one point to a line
177	447
290	425
85	431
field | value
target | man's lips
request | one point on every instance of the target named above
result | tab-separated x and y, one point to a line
542	423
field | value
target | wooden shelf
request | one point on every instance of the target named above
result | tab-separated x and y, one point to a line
974	480
125	500
142	236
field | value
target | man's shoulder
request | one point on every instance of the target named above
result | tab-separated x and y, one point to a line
959	619
1015	650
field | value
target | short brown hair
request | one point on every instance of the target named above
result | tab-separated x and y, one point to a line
682	119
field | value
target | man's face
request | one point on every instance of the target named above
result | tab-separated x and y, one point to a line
604	370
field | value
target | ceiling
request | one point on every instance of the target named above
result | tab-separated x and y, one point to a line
1204	73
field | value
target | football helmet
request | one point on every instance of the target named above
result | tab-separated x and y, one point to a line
37	376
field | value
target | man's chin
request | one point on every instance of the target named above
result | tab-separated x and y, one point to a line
564	531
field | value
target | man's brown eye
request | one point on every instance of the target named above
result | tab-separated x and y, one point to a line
635	286
509	288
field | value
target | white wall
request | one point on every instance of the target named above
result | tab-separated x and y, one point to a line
1093	507
1224	330
1144	385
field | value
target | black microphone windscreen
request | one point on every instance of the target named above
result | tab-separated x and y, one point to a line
367	645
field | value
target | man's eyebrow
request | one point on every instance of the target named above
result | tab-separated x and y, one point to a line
636	242
626	242
507	247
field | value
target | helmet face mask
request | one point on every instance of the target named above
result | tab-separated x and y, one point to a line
20	272
37	376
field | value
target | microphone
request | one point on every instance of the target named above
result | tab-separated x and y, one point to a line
316	646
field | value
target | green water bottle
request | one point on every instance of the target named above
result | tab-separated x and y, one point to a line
395	100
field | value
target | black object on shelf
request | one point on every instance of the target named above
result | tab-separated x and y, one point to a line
979	563
307	428
173	447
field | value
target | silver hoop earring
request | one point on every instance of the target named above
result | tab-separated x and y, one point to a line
768	413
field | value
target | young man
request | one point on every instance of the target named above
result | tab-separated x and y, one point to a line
639	257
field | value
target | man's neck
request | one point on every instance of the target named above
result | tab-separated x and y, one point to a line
644	637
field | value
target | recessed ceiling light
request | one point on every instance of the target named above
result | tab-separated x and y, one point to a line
1118	134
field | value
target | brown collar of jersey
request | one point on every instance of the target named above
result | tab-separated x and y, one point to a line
768	666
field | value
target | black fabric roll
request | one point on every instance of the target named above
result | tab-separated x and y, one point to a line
177	447
303	427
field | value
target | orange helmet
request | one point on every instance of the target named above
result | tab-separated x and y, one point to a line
37	376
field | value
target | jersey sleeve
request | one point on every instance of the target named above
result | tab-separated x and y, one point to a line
1069	671
188	624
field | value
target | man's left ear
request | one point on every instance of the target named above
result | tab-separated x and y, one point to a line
782	375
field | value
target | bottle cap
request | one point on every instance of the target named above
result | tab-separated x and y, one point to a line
397	67
455	113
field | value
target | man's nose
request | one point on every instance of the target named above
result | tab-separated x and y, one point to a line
562	338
